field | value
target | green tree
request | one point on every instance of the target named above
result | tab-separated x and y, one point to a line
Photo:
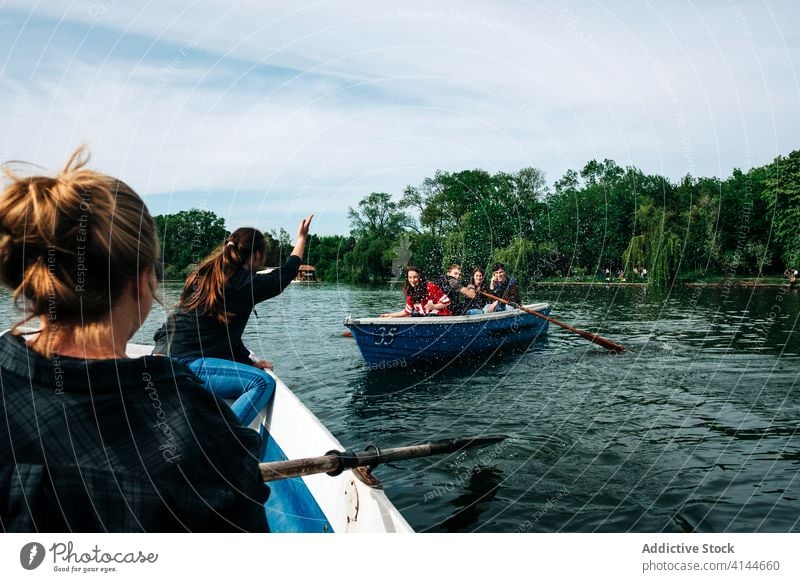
427	253
657	248
376	225
518	258
326	254
783	199
187	237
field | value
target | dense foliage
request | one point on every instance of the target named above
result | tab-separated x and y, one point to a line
604	217
186	238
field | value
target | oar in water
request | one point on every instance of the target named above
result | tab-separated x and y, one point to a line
334	462
592	337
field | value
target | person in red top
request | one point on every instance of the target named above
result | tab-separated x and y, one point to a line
422	297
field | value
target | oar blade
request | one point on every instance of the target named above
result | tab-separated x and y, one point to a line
601	341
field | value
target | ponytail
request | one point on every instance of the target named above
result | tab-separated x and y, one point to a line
204	288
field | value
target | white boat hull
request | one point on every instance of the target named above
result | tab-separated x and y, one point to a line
315	503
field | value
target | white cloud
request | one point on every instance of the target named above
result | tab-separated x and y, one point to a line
341	99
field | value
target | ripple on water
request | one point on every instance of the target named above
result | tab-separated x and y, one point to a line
693	428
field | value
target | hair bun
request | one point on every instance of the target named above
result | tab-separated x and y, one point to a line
70	243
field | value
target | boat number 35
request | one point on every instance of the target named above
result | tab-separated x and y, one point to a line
384	337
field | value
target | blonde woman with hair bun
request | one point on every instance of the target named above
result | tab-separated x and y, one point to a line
91	440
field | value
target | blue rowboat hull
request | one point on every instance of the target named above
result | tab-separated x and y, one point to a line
397	342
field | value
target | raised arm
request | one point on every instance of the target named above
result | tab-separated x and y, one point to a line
268	285
302	234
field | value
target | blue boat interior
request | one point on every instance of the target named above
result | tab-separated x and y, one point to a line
290	507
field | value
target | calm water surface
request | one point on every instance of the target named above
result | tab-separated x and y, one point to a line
694	428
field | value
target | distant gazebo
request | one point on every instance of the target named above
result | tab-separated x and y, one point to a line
306	274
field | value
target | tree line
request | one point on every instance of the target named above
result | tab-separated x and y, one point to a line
188	236
602	217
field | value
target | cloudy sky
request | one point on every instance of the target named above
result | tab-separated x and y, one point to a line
264	111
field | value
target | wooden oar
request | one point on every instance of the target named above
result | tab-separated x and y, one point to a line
592	337
334	462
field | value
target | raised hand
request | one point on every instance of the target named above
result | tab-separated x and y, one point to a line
305	225
302	235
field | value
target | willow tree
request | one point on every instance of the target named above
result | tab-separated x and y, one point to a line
657	248
376	225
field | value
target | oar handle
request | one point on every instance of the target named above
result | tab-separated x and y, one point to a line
334	462
592	337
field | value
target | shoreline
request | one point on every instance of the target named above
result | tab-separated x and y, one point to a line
710	285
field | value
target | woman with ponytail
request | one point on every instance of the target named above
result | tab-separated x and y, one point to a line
91	440
205	330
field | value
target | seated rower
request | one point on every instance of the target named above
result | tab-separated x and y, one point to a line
450	283
504	287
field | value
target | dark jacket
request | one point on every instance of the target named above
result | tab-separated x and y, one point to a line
452	288
193	334
120	446
508	290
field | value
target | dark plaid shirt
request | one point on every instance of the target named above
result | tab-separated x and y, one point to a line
192	334
508	290
120	445
452	288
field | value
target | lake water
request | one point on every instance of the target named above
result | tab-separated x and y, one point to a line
694	428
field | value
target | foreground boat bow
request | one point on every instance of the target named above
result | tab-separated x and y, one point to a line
314	503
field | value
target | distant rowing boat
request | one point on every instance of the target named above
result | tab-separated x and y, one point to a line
395	342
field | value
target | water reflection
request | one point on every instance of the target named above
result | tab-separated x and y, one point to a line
480	488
